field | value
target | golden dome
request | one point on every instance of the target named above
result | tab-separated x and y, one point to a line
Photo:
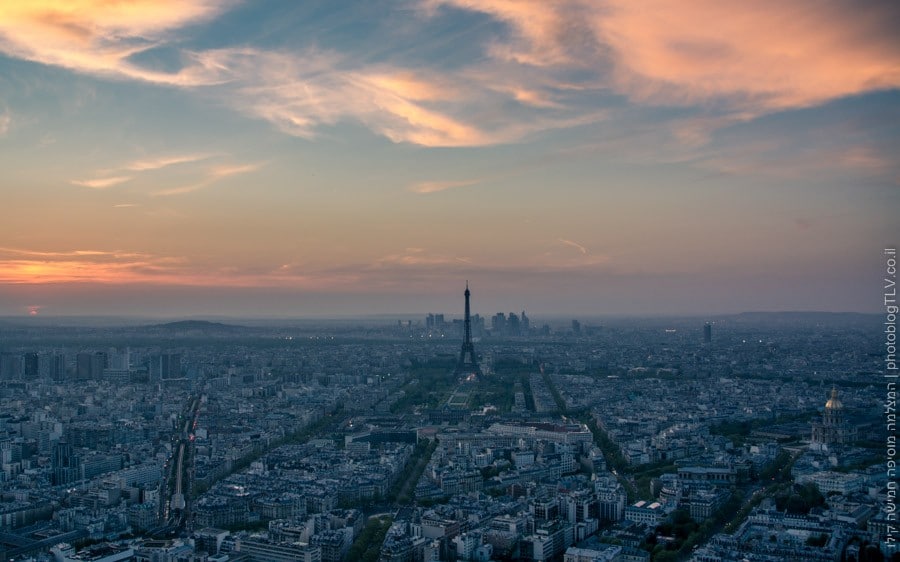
834	403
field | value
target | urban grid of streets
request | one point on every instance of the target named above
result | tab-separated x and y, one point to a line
631	440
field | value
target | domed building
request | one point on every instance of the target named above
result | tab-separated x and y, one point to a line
833	429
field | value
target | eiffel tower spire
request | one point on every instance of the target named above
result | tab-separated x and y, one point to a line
468	363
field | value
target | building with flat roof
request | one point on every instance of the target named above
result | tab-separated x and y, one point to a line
645	512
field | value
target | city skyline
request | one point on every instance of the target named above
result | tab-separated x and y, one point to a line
230	158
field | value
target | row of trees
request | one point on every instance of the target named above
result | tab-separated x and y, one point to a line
404	489
367	545
682	533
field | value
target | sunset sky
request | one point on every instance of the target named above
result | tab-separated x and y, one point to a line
284	158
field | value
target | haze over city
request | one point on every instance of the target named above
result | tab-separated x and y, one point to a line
449	280
190	157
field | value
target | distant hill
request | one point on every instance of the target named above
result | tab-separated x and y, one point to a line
195	326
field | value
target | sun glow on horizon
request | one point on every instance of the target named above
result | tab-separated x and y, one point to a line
576	154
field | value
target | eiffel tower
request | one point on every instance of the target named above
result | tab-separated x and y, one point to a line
468	362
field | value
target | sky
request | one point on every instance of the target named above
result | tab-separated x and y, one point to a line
235	158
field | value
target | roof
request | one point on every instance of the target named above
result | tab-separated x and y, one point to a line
834	403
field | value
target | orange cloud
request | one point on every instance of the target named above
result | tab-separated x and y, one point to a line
108	180
740	59
864	158
778	160
102	183
181	190
766	55
576	245
297	92
34	253
212	176
225	171
543	33
301	92
164	162
99	36
407	268
417	257
206	177
435	186
409	122
20	266
533	98
755	56
408	85
26	267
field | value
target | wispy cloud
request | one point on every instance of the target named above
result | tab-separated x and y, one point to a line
410	267
737	60
779	158
101	37
557	59
298	92
696	132
181	190
755	57
419	257
435	186
865	158
575	245
63	254
164	162
735	57
541	34
213	175
5	121
102	183
112	176
36	272
40	267
477	105
232	170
